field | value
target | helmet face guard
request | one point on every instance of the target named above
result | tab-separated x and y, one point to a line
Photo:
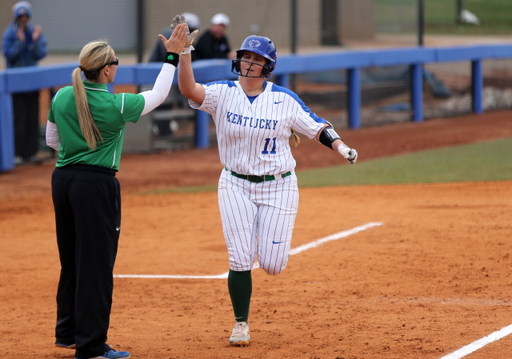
262	46
236	68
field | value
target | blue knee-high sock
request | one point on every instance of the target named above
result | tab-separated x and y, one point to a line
240	290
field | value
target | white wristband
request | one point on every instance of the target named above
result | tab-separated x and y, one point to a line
343	149
187	50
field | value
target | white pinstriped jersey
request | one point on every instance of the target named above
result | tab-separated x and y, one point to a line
253	139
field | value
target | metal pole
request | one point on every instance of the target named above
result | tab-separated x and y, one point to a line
417	92
202	129
293	26
354	98
140	30
293	37
477	86
7	152
421	19
460	7
329	23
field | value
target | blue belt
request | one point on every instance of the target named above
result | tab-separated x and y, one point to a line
259	179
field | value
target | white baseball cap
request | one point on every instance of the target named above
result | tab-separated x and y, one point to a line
220	19
192	20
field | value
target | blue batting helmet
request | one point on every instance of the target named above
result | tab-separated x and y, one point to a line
262	46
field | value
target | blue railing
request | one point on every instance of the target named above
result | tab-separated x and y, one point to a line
35	78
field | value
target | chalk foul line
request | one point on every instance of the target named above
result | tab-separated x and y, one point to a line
468	349
294	251
462	352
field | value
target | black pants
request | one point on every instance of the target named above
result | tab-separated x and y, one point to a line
87	201
26	124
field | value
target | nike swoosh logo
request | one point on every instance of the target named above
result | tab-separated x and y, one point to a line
277	102
274	242
118	228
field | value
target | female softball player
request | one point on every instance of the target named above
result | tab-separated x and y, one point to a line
258	193
86	125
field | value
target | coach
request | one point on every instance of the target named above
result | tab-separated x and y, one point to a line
86	125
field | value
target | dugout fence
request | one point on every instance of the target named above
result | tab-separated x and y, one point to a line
409	99
318	57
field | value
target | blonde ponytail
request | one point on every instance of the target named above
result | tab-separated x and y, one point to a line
296	138
87	125
93	58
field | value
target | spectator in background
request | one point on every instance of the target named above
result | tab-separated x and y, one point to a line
158	54
213	44
24	45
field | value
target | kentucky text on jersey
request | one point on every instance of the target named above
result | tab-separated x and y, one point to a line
251	122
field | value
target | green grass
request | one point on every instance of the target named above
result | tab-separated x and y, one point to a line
440	15
488	161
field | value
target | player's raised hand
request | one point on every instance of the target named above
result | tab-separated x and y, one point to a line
177	20
349	153
177	41
191	36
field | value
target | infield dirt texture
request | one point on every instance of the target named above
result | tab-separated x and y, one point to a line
434	277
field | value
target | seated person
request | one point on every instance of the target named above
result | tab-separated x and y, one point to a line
213	44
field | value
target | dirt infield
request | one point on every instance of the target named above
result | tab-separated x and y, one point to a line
434	277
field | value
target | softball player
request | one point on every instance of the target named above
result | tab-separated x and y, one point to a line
257	193
86	125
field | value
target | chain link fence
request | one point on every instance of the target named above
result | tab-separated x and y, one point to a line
321	26
386	96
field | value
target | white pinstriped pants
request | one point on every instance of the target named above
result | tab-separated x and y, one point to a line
258	218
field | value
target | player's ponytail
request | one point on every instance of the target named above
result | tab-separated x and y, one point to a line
296	138
93	58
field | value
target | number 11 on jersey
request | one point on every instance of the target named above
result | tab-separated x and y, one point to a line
267	142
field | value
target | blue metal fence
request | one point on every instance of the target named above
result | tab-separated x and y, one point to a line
35	78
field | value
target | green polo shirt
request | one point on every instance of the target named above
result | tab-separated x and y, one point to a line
110	112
